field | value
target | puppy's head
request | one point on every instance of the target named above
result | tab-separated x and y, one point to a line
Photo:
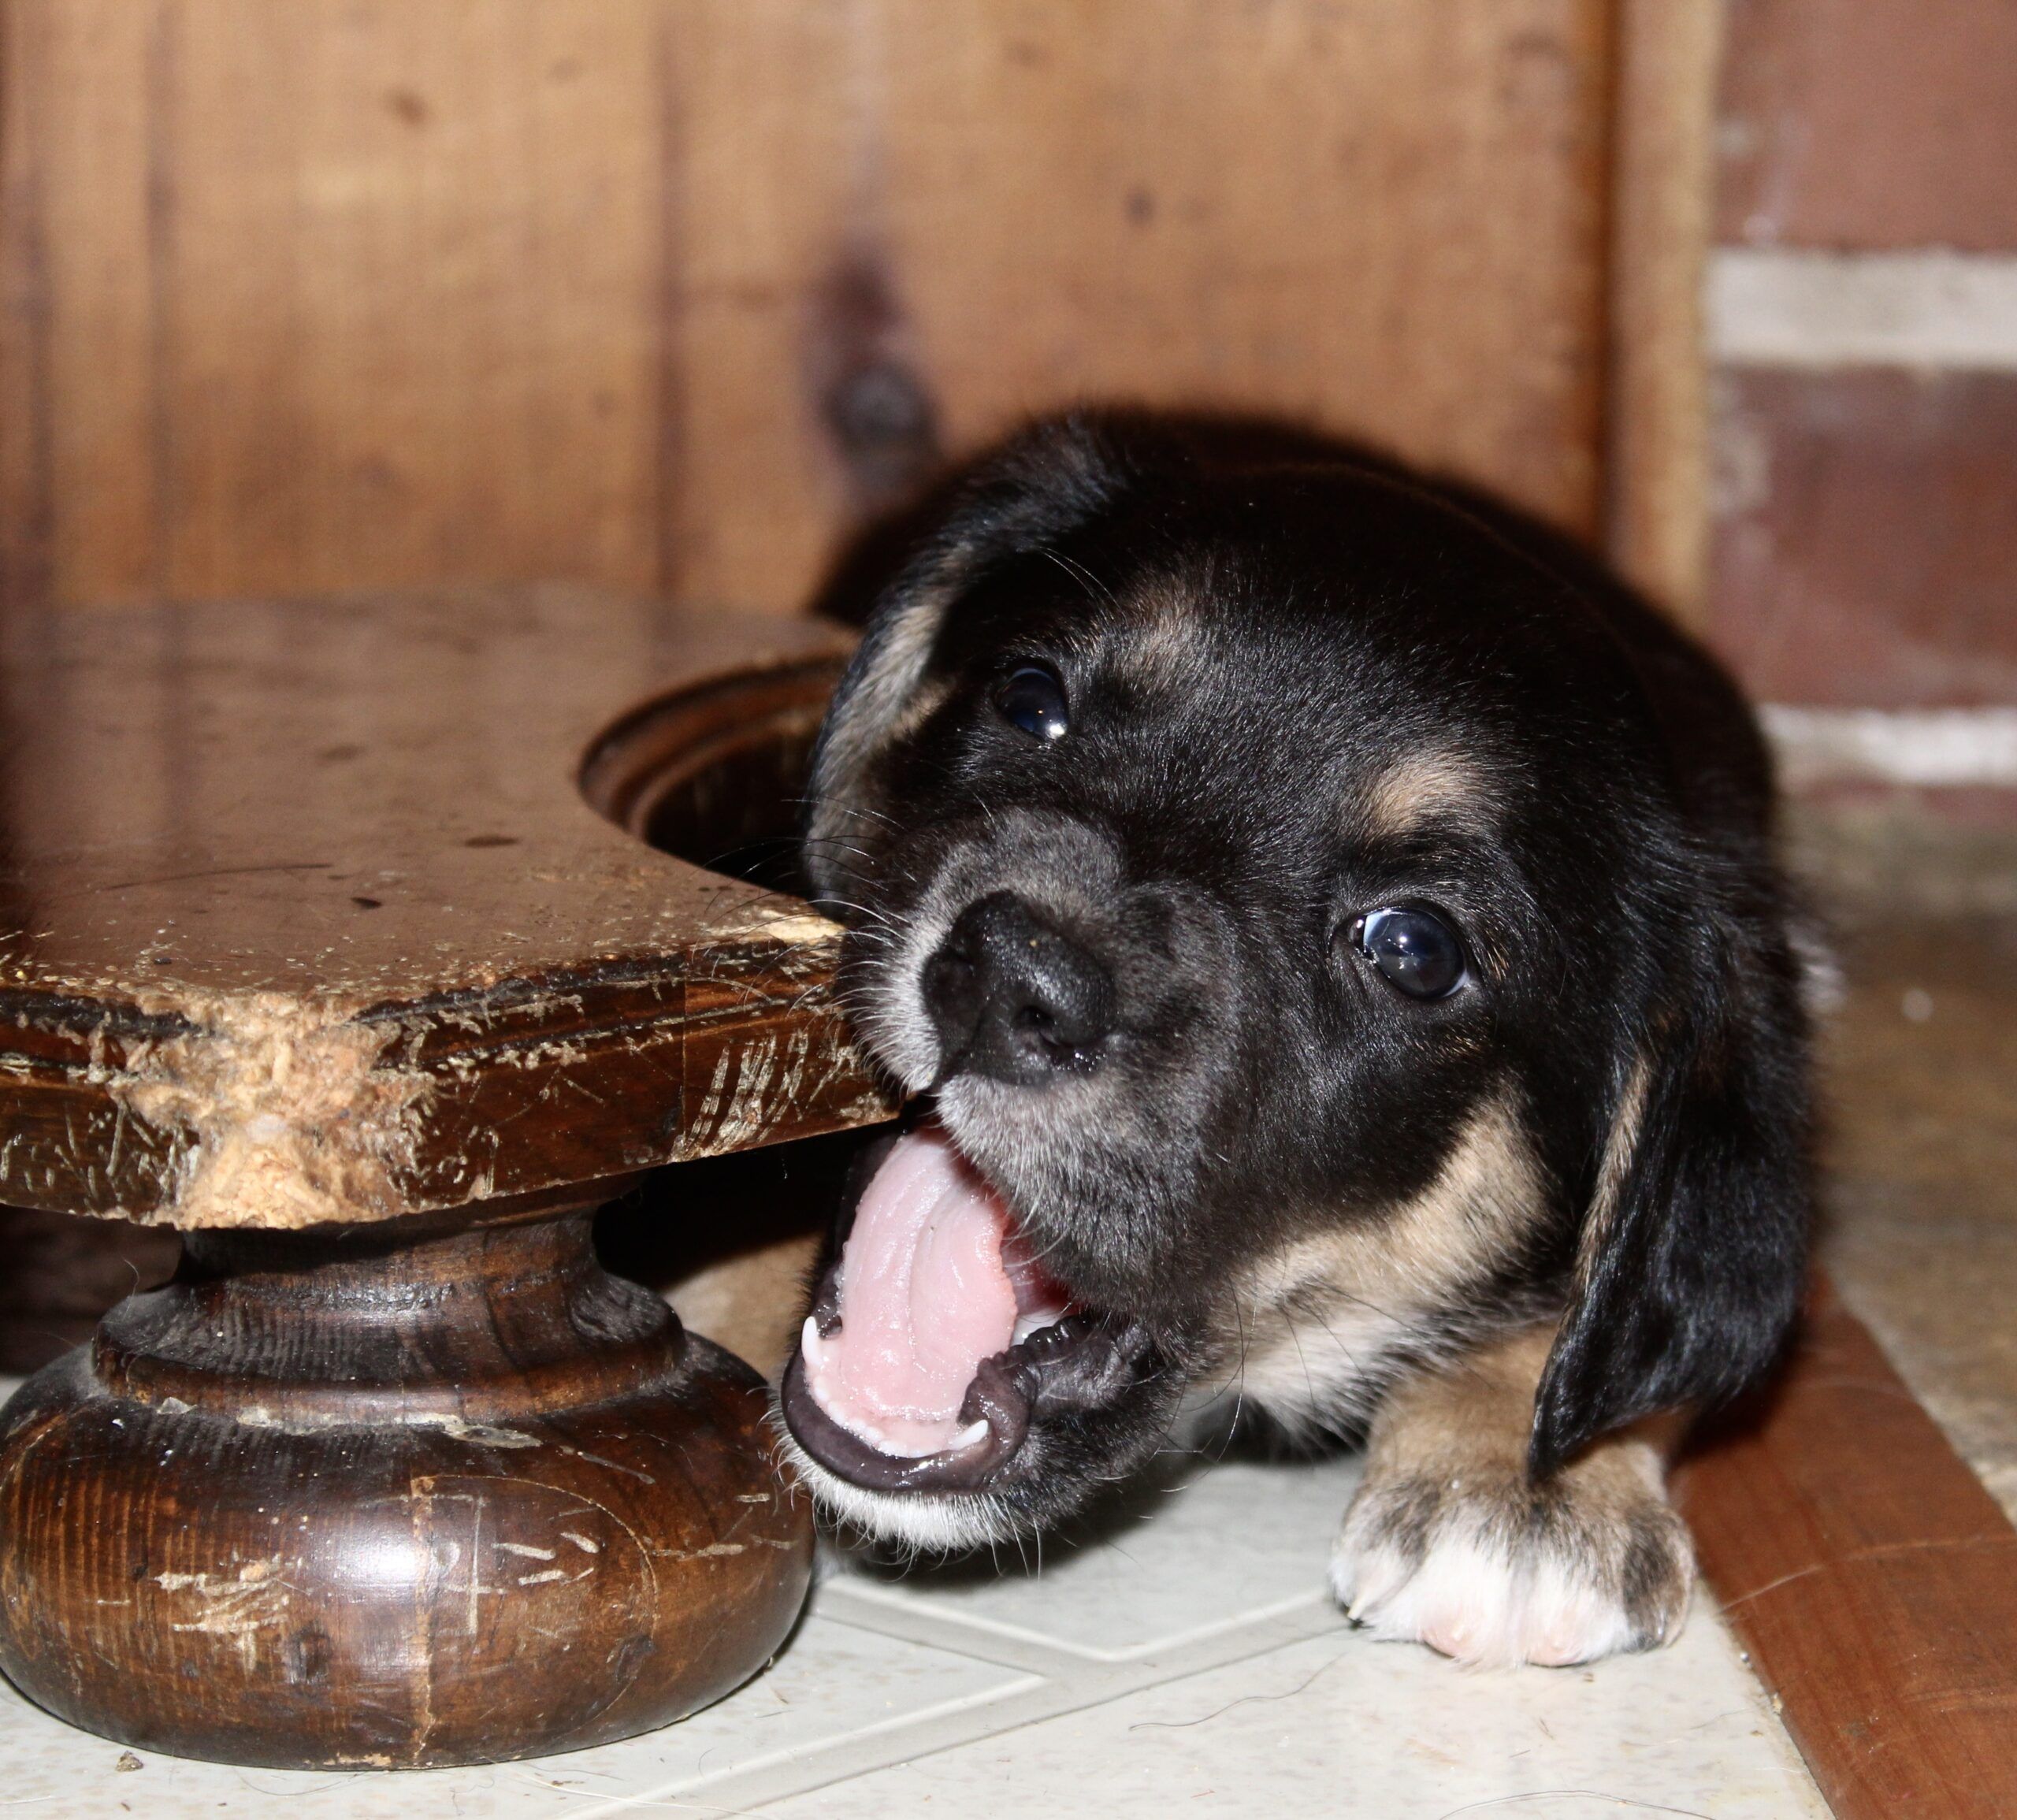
1283	896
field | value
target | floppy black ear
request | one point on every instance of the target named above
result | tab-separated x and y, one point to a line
1042	486
1693	1249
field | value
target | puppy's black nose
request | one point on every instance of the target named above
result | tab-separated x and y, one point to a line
1014	999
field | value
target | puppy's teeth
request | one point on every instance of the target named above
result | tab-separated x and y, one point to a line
1036	1320
968	1435
810	1344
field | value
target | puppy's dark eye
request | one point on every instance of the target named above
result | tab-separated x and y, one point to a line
1415	950
1032	698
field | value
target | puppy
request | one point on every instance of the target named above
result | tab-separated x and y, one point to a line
1341	957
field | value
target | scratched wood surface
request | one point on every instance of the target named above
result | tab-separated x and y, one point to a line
1872	1579
303	916
666	295
367	1500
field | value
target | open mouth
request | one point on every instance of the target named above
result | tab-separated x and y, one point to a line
937	1338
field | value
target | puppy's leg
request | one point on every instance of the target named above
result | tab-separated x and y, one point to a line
1450	1544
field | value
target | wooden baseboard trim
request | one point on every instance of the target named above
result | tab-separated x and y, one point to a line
1871	1578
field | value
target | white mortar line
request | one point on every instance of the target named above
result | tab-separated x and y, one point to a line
1934	309
1939	746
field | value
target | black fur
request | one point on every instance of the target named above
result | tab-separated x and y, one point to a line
1254	627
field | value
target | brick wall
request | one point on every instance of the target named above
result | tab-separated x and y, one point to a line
1862	323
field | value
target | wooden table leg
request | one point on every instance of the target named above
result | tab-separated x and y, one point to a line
370	1497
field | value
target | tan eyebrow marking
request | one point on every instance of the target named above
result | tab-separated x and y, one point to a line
1166	644
1439	783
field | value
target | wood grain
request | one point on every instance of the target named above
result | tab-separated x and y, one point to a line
1662	206
672	294
315	948
392	1501
1872	1579
306	917
330	293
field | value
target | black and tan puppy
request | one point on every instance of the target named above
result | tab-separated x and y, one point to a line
1346	968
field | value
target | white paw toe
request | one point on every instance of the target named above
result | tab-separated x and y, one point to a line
1479	1602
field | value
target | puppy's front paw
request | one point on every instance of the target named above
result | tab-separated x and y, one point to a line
1490	1569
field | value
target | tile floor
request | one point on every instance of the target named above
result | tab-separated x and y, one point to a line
1184	1655
1920	1184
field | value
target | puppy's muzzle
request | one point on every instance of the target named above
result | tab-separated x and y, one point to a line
1014	997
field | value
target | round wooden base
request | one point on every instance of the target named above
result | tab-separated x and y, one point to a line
369	1500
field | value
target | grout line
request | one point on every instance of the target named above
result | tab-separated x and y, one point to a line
1014	1646
1933	746
892	1617
1781	308
1025	1702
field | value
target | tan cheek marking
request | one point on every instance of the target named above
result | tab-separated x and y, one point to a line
1458	1228
1318	1314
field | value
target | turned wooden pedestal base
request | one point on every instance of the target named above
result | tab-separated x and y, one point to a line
392	1497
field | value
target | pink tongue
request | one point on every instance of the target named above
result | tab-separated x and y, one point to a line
925	1295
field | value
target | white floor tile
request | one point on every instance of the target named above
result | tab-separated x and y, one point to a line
1340	1725
835	1685
1184	1551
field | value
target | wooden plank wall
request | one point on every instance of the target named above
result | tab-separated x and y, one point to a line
298	295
